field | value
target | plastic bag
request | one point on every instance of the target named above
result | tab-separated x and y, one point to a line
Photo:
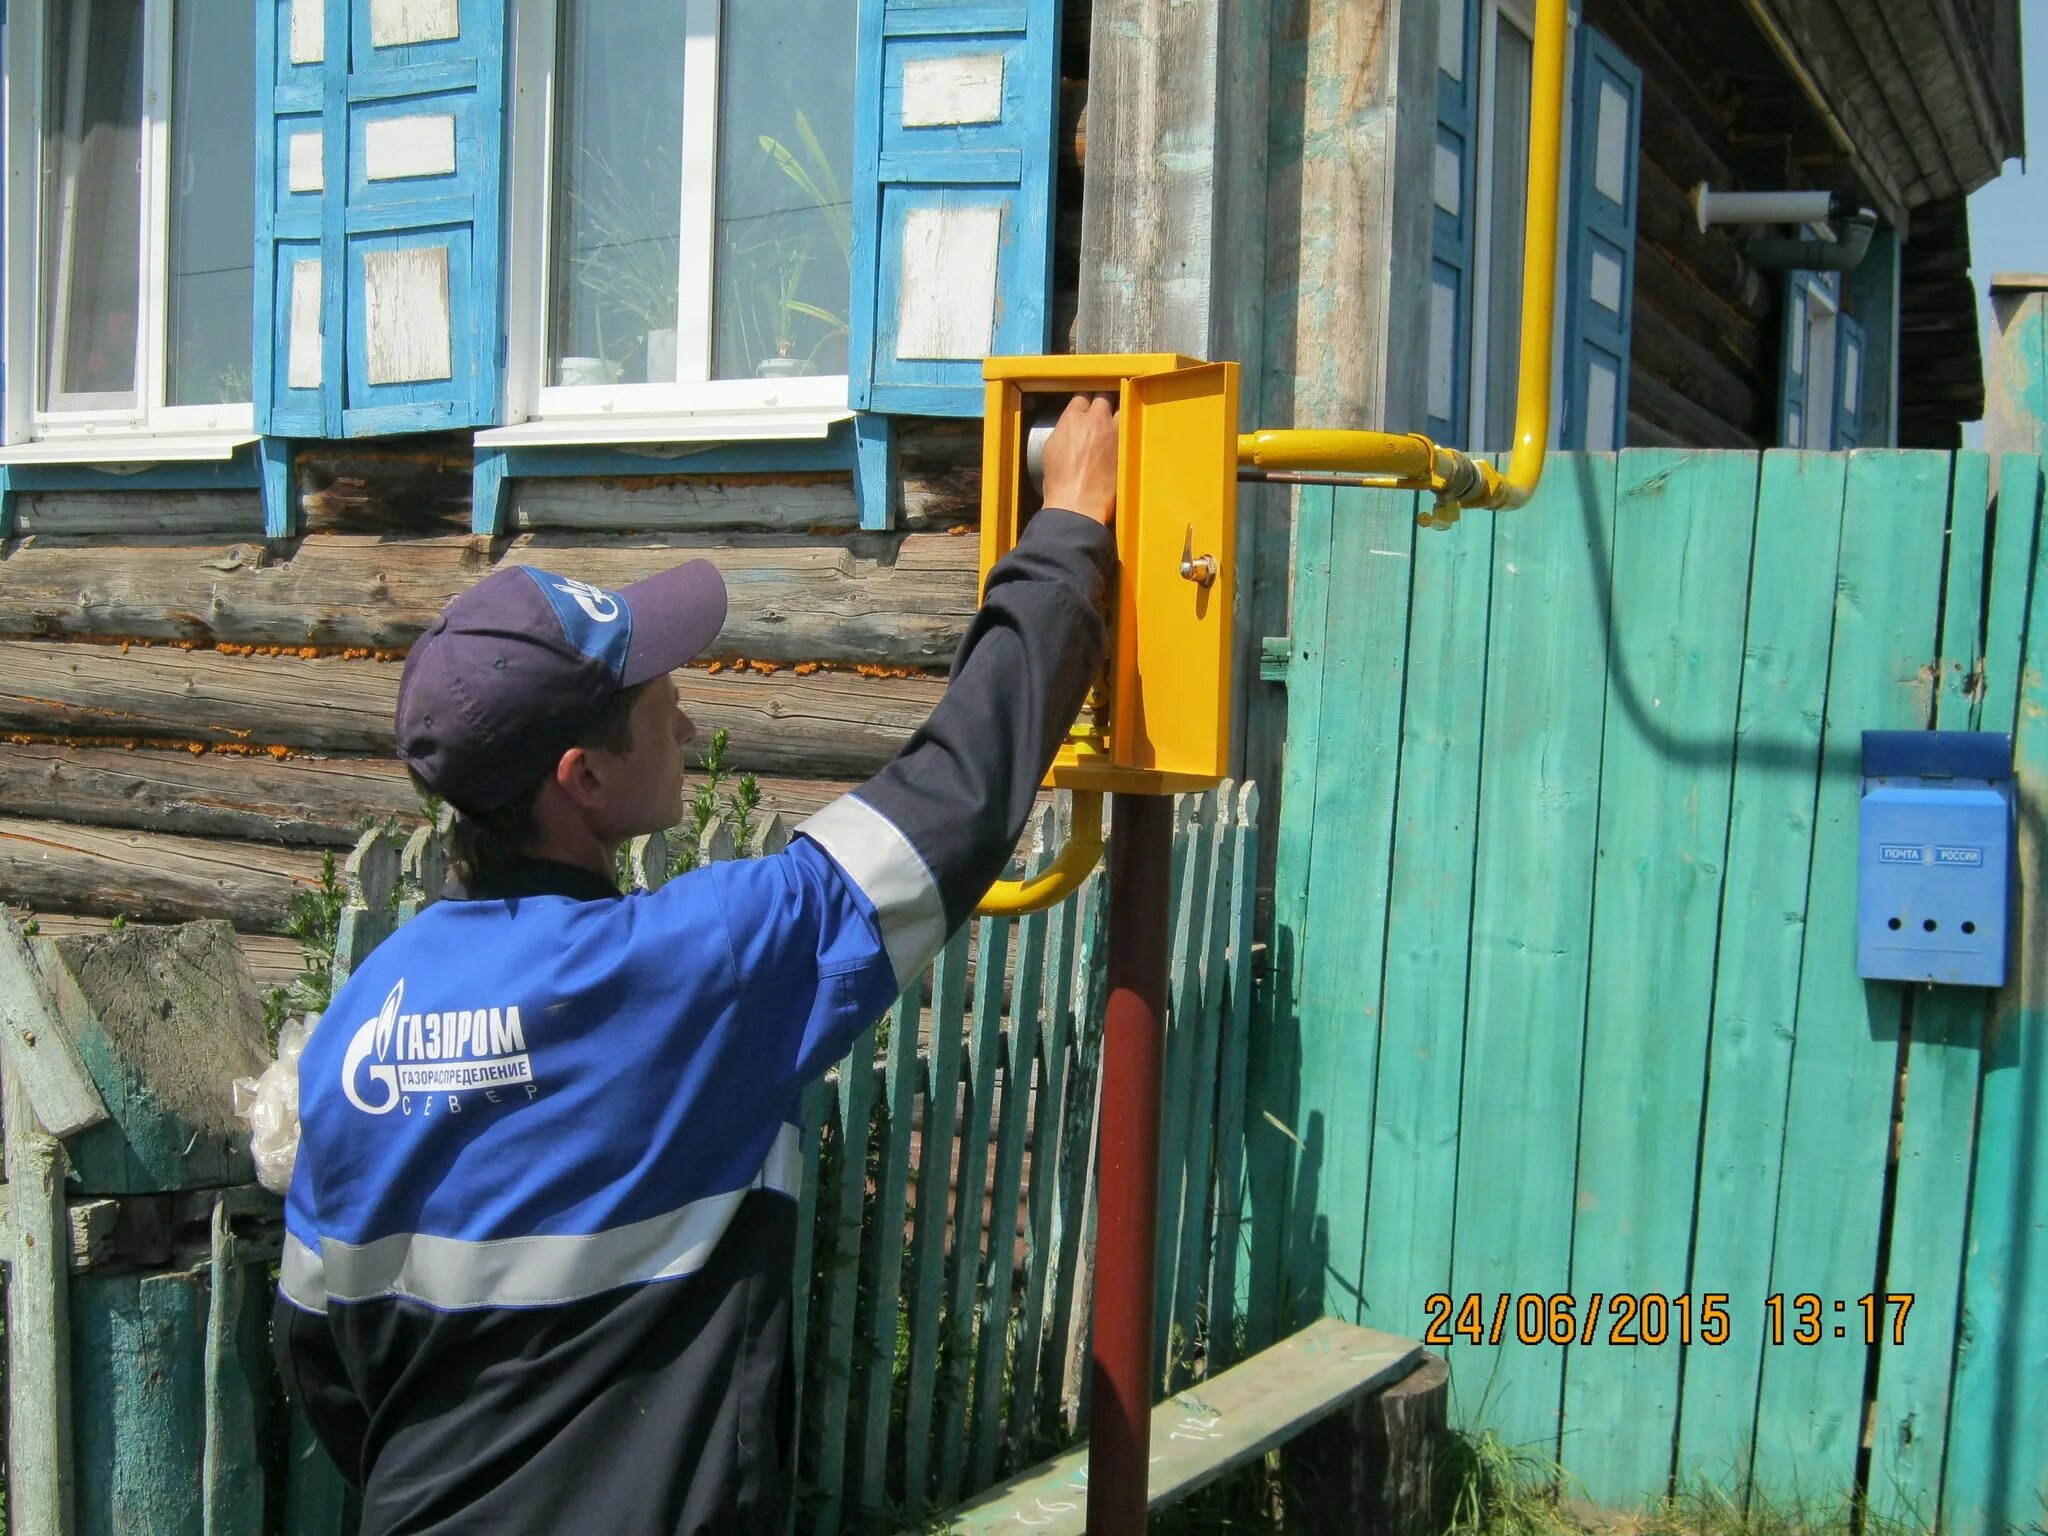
270	1105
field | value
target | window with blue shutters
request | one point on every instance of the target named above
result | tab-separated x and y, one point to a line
955	114
1821	367
380	198
1600	272
129	227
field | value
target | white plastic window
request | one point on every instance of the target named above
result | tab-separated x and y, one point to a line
681	212
130	273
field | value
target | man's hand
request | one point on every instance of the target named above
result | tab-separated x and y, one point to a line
1080	459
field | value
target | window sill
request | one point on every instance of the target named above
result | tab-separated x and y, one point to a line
127	452
796	425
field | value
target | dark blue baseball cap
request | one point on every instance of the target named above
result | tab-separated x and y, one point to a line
516	670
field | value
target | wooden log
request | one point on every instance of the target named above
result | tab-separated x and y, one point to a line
748	503
1374	1465
897	600
188	514
1658	403
49	866
322	801
828	724
1666	353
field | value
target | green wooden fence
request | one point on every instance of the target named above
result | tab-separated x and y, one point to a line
942	1297
1565	1002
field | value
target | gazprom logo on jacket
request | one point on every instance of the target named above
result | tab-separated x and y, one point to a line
456	1050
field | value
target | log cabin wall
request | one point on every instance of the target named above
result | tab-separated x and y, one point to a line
189	715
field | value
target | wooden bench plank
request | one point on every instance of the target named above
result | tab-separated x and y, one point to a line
1211	1429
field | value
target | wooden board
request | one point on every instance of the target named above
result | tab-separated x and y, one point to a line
1531	916
828	723
1762	924
1210	1430
1845	1048
151	877
1941	1059
2002	1347
1681	588
899	600
1422	1045
323	801
1341	953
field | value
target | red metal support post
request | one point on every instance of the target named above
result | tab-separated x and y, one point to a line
1127	1187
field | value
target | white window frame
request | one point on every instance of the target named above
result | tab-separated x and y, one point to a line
1820	338
696	406
1521	14
98	432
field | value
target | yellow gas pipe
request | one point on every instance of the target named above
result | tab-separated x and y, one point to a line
1392	460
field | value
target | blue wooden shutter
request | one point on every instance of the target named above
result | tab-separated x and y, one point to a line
1452	192
382	196
1850	353
300	98
1601	272
956	108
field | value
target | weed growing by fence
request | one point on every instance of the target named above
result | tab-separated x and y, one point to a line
314	919
723	799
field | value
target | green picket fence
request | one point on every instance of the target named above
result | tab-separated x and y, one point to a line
1565	1001
943	1273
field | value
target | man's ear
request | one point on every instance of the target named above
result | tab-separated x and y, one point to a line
578	779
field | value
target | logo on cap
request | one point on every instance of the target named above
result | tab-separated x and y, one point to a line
595	601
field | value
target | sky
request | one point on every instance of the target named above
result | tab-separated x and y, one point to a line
2009	218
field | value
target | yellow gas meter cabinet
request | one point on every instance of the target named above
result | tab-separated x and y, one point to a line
1158	721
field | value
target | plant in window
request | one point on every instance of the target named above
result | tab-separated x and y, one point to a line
779	262
627	266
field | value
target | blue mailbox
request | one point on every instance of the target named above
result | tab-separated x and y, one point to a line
1935	881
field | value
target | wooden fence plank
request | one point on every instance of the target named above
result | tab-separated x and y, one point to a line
1683	524
155	878
40	1466
1837	1126
38	1053
1047	1115
1189	878
1191	1267
928	1243
892	599
1422	1050
1762	925
1943	1062
1226	1243
816	1102
370	908
969	1191
885	1250
1342	953
1018	1058
1063	1382
231	1483
1998	1419
316	1498
1274	1068
1532	916
833	1373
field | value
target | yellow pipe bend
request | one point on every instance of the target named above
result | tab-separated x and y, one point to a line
1053	885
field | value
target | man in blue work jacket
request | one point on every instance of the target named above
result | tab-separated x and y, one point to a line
537	1271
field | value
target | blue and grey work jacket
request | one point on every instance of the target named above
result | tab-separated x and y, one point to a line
537	1276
